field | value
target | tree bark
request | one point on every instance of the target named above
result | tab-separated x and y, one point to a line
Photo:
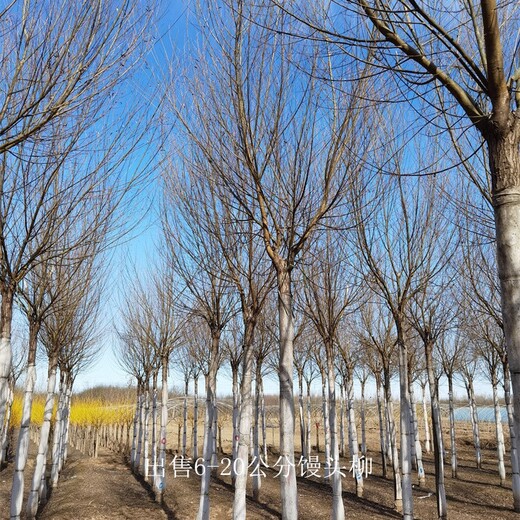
352	429
474	421
499	432
338	509
22	449
209	424
243	443
382	429
515	470
160	476
288	487
453	444
196	417
438	443
405	430
6	318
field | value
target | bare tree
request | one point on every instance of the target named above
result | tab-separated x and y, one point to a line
398	240
327	301
284	157
475	80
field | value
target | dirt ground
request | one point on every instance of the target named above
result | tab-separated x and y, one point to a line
105	488
476	494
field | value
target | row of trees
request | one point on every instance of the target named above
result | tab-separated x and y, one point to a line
67	140
291	163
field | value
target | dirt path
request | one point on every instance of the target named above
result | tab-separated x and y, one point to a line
98	489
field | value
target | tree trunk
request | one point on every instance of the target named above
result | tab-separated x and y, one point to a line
392	444
338	509
363	422
257	481
141	428
288	487
438	443
264	422
236	415
58	424
504	162
418	449
453	444
352	433
211	383
301	416
133	454
427	445
325	414
382	428
185	418
4	437
196	417
146	433
309	419
6	318
405	430
22	448
499	431
154	424
243	442
515	470
342	421
160	476
474	421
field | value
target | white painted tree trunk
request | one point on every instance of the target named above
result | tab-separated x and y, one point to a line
417	441
4	438
438	443
309	419
140	435
338	509
22	449
209	424
56	448
453	443
196	417
427	444
64	443
342	421
363	422
264	421
235	418
325	415
154	426
38	480
382	429
214	458
474	422
185	418
515	466
288	486
160	475
405	432
352	430
146	433
505	165
392	444
6	356
257	481
501	449
243	442
301	415
133	453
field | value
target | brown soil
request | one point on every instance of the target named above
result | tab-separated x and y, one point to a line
476	494
105	488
